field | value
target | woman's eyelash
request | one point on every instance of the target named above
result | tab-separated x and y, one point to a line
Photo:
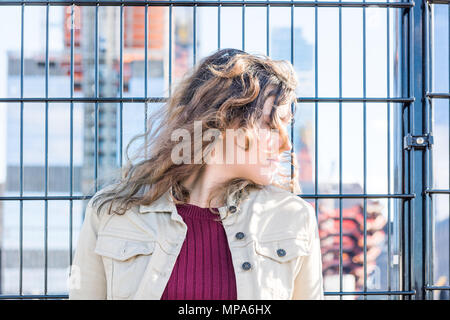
269	123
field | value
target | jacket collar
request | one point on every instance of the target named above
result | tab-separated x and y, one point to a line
161	204
166	204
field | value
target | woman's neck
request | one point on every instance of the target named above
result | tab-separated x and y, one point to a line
201	184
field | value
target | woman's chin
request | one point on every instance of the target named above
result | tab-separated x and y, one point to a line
266	177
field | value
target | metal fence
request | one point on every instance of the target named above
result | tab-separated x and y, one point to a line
412	137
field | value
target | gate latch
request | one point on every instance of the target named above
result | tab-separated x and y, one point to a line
411	141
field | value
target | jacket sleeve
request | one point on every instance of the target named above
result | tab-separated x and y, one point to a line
308	284
87	279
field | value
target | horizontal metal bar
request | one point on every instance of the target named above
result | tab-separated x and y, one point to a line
323	196
436	95
37	296
441	191
164	99
437	287
18	198
247	3
85	100
344	196
365	293
393	100
327	293
438	1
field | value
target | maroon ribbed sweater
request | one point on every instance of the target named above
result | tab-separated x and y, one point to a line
203	269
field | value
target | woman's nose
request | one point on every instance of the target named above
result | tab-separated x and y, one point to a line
280	143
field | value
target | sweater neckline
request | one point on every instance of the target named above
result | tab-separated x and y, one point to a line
196	212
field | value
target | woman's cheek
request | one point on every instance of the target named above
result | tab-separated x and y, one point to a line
265	145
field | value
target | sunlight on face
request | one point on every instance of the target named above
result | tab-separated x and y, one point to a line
266	148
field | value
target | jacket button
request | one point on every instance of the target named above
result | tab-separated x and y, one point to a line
281	252
240	235
232	209
246	265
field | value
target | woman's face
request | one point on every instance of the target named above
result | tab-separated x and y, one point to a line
260	162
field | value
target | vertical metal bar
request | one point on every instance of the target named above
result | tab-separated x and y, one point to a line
365	151
316	110
194	47
404	270
429	158
411	171
121	87
46	153
417	64
170	50
429	65
218	24
243	26
403	219
71	131
413	162
146	74
96	95
21	151
292	105
448	9
268	30
388	59
427	104
145	59
340	156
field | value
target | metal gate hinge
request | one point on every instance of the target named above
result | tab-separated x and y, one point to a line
410	141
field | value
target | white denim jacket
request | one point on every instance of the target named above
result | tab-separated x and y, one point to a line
131	256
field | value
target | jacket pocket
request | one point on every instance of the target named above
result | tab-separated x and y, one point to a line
278	258
128	260
283	250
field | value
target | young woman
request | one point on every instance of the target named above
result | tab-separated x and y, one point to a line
204	210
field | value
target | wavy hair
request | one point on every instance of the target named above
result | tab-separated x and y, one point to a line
225	89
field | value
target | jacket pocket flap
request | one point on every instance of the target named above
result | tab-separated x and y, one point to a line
283	250
122	249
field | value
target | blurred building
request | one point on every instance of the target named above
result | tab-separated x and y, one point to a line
352	240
